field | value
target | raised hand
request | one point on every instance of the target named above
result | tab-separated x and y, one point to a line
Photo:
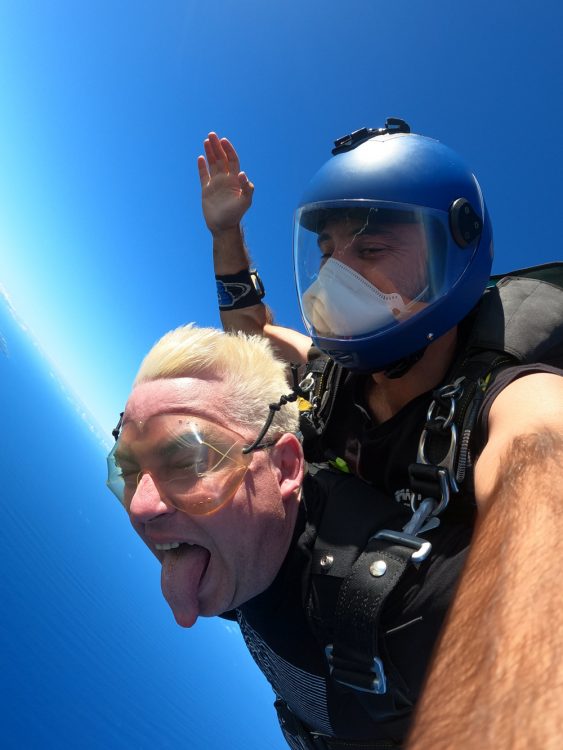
226	193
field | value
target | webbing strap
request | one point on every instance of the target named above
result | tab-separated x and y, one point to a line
311	740
355	557
355	656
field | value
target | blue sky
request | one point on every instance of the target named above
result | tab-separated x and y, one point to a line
105	106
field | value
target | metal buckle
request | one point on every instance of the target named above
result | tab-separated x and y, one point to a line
308	383
257	283
445	479
452	392
378	683
421	547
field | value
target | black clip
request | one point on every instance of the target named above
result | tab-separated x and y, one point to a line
350	141
396	125
356	676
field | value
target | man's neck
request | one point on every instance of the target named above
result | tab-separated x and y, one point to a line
387	396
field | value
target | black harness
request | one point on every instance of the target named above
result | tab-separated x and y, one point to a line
355	566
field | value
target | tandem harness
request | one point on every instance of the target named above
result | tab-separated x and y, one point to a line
518	321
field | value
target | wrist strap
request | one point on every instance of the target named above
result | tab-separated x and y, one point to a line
238	290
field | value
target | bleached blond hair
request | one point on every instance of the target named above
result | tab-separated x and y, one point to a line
253	376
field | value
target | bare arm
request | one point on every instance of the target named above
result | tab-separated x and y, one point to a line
496	681
226	195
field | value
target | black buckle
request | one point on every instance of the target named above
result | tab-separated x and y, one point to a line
351	140
431	481
354	675
295	728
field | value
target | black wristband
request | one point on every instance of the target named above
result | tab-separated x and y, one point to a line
238	290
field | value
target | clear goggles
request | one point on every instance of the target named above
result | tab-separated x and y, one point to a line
364	266
196	465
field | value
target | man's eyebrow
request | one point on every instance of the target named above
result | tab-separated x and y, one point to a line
365	229
168	448
372	229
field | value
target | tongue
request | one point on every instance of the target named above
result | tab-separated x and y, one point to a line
182	570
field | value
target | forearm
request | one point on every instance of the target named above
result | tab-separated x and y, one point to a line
230	256
496	681
226	195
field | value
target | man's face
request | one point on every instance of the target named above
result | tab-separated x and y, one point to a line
392	257
232	554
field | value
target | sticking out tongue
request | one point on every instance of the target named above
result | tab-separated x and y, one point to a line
182	571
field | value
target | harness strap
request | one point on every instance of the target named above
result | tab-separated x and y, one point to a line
327	377
355	657
445	440
310	740
360	554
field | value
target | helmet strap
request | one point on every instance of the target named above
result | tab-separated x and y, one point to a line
402	366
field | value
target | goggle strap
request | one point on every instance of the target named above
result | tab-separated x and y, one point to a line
257	444
117	429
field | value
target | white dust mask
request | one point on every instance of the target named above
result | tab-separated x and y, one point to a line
341	302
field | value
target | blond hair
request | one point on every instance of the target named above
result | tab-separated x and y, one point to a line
254	378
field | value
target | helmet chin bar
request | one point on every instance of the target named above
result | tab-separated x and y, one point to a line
402	366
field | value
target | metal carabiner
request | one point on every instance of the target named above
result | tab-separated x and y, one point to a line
447	462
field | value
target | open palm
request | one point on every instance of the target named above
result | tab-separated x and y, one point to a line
226	193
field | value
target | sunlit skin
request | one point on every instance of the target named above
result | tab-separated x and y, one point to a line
391	256
246	539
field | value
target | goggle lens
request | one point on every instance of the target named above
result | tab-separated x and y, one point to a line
196	465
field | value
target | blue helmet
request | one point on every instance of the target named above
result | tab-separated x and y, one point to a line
392	247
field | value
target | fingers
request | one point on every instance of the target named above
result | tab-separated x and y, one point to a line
231	154
216	155
246	187
203	171
211	156
221	156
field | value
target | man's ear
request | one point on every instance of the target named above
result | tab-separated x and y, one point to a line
287	460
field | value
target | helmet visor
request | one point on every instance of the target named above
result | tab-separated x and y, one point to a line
367	266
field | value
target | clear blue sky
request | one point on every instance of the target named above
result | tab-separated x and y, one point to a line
104	107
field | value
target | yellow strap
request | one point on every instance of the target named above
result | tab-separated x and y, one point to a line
340	464
303	404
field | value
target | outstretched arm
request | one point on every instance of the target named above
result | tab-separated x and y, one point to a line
496	681
226	195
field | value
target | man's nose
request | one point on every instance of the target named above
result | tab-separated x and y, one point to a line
147	502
